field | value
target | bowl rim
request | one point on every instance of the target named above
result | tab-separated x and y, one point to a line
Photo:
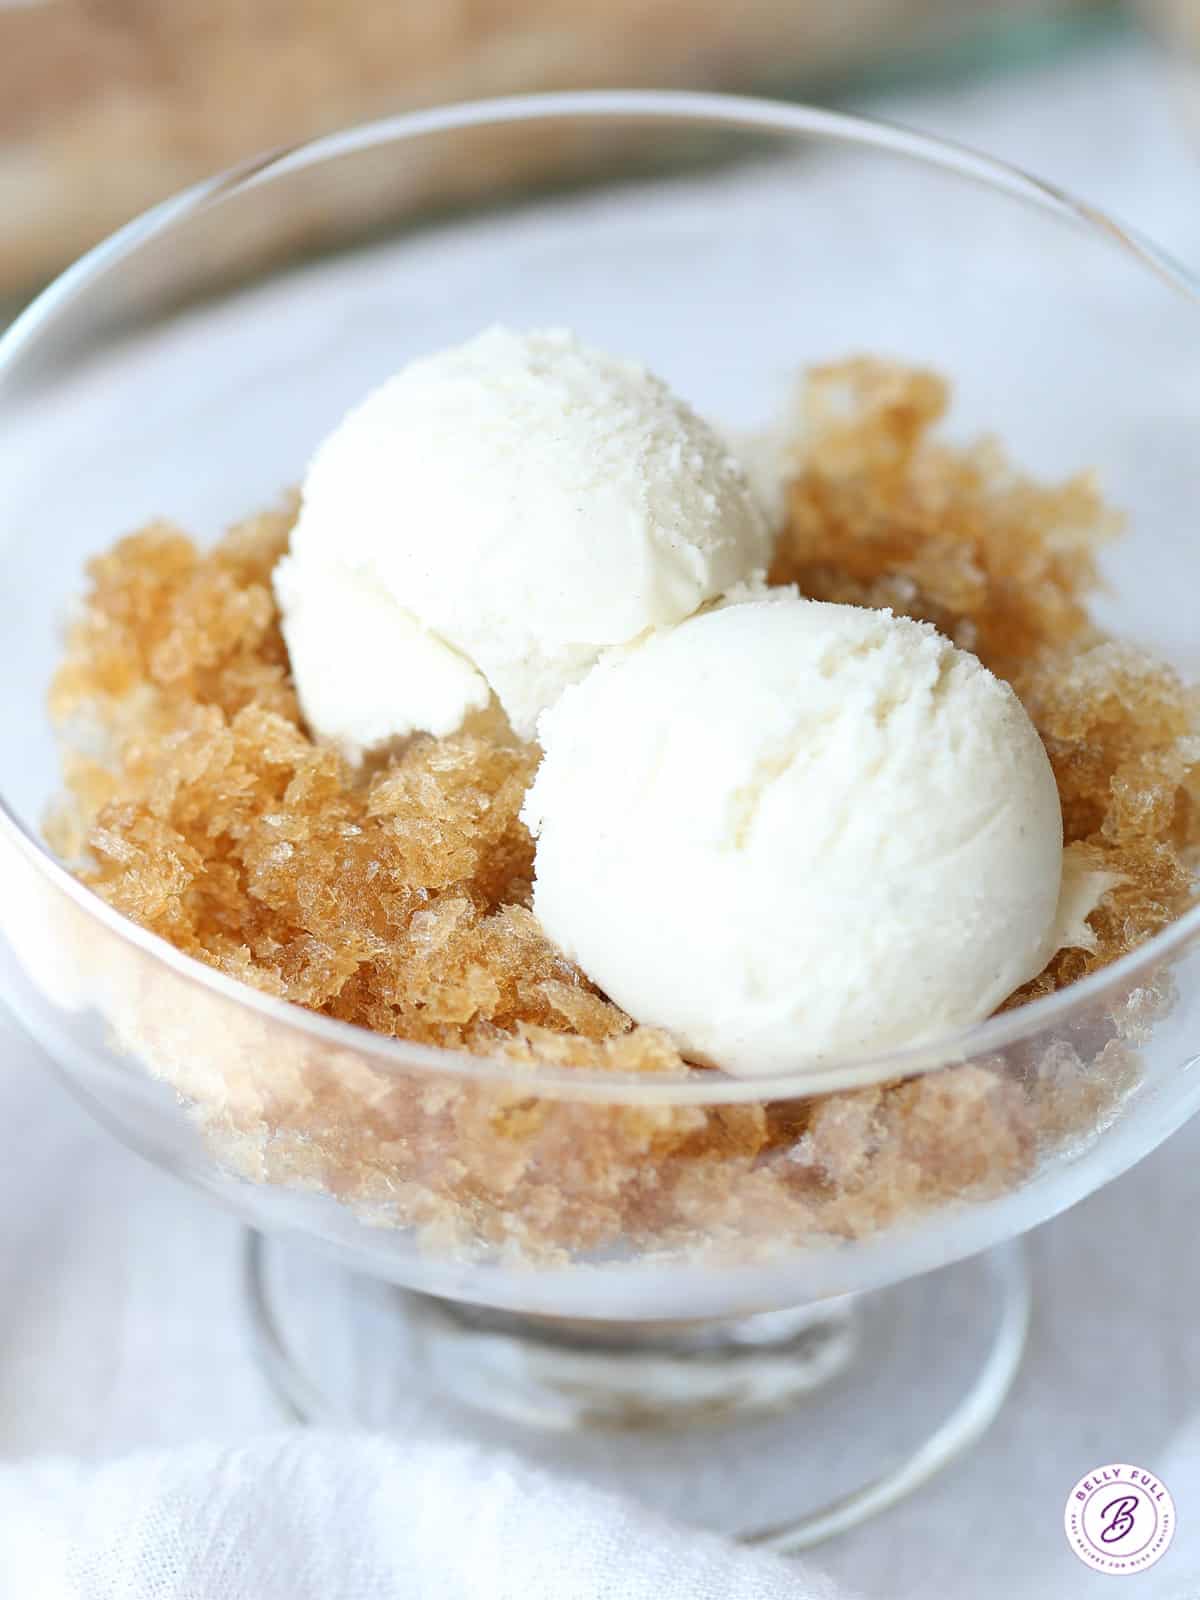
734	112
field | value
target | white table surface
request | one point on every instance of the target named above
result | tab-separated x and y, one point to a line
122	1325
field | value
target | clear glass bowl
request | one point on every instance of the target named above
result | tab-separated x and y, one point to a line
186	368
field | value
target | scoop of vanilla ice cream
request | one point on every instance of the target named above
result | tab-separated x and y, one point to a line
788	831
494	517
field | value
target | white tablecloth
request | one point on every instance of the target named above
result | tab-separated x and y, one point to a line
122	1327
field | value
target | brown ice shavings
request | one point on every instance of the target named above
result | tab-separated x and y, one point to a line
397	898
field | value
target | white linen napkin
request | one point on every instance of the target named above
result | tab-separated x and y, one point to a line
327	1516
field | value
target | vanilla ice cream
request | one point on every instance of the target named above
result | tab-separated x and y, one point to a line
490	520
787	831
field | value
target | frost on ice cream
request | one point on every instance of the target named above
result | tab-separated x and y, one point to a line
488	522
789	832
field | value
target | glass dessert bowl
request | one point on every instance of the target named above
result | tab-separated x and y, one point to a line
597	1241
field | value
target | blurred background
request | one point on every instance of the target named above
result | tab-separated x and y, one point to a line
109	105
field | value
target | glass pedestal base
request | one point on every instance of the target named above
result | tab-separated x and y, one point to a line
781	1429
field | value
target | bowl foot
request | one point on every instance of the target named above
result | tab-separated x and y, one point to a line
815	1418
